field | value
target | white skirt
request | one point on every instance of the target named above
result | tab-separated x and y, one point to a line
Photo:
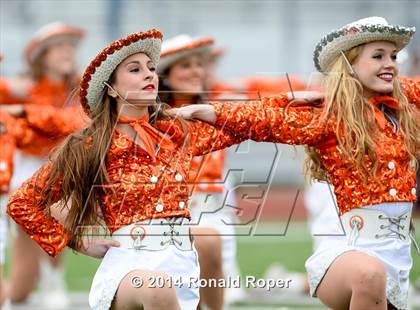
393	253
182	266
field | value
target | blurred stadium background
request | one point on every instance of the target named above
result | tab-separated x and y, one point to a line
265	38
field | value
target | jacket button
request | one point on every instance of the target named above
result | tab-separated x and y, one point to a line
413	191
159	207
393	192
3	166
178	177
154	179
391	165
181	204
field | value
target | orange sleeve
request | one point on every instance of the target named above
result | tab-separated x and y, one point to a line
412	90
7	150
53	120
24	208
6	96
18	128
273	119
14	132
205	138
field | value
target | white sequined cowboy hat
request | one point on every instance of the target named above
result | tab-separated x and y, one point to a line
181	46
101	67
50	34
356	33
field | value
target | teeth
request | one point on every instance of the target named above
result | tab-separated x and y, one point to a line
386	76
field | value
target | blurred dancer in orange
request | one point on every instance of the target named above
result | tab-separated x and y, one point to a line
41	99
5	168
182	72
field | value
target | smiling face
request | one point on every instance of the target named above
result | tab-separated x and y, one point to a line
376	67
60	58
135	79
187	75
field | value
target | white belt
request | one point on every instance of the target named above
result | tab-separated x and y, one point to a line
372	224
155	235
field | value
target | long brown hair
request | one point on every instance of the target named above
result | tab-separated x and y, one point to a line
80	165
355	128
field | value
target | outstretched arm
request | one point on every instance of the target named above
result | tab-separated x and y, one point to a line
206	138
273	119
55	121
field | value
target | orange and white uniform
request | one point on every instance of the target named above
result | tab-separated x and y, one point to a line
140	188
138	197
320	200
275	120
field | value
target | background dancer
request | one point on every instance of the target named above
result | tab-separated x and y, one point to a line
41	99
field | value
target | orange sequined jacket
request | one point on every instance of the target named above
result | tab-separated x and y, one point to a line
138	189
14	132
206	171
272	120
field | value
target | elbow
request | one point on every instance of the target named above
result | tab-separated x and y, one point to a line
10	208
13	205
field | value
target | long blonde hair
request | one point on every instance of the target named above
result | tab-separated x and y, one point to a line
355	122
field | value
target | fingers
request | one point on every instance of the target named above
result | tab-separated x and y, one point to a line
113	243
308	95
183	112
109	243
173	112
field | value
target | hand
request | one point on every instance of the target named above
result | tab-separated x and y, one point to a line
13	109
183	112
310	96
97	247
203	112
